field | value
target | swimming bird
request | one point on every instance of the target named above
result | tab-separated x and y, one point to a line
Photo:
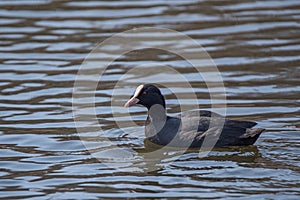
190	128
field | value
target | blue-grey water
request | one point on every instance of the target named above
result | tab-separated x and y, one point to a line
256	46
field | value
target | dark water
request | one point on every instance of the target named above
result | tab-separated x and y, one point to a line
256	46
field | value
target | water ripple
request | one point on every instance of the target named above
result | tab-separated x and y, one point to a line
43	43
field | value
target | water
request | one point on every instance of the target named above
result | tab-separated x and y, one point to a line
255	45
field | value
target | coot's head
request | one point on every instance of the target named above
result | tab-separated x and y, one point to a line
146	95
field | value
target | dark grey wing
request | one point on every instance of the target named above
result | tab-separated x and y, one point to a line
206	113
199	113
227	132
238	123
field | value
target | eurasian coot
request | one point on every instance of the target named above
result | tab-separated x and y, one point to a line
190	128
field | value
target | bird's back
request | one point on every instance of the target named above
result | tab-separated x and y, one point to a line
189	129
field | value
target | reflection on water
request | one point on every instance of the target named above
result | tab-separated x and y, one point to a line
256	46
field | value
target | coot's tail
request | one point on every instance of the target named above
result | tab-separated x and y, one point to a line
251	135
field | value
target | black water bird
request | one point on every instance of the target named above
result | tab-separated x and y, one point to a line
191	128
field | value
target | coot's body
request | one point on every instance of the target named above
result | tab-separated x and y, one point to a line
190	128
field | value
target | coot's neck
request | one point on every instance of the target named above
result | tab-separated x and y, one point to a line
156	120
157	114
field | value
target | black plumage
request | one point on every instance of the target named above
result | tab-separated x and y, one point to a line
190	128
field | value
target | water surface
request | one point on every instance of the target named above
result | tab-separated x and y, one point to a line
255	45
